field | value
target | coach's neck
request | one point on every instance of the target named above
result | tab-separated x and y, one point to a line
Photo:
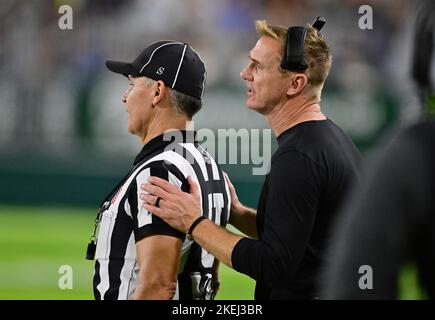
293	111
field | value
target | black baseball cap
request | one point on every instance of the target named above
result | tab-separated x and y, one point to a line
173	62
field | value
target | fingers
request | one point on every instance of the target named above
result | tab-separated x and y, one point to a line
194	190
230	186
163	184
227	178
234	198
148	198
155	191
154	210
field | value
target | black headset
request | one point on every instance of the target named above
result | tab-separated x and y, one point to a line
293	58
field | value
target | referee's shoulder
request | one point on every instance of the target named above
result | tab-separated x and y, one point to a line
162	164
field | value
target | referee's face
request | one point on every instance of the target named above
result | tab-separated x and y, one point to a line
138	99
266	85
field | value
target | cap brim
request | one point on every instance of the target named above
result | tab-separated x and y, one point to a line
123	68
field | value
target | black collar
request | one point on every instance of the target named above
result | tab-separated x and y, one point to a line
163	140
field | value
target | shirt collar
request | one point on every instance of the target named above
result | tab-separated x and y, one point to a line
162	141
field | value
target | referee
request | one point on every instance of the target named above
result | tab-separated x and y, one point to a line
138	255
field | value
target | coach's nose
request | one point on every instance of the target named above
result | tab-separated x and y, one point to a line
246	74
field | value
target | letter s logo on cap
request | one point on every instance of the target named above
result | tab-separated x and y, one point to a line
160	70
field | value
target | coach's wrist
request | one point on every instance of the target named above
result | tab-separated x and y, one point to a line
193	227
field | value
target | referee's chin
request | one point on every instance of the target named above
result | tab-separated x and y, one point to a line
131	129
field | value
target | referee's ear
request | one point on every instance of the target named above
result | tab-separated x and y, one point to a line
159	92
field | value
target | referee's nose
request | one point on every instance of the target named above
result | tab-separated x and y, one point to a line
125	94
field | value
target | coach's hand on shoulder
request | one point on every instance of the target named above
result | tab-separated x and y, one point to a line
236	206
177	208
242	217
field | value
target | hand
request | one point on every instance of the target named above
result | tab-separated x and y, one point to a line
215	284
177	208
236	205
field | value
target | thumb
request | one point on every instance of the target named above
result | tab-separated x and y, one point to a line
194	190
227	178
230	184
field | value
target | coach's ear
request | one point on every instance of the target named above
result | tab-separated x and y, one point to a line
297	83
159	92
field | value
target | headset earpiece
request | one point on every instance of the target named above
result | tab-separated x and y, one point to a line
293	58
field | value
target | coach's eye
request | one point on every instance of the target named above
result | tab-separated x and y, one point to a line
256	66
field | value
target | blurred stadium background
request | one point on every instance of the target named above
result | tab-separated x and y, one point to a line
63	137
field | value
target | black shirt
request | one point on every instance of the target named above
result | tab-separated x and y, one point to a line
390	220
311	172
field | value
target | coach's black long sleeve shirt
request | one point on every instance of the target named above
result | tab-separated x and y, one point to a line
311	172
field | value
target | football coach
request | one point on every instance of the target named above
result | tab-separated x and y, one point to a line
311	172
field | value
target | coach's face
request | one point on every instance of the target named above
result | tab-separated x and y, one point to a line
138	99
266	85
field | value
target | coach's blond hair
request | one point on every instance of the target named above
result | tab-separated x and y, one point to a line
316	50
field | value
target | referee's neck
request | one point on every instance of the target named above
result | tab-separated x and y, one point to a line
157	128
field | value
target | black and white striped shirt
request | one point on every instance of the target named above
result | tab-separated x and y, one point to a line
124	221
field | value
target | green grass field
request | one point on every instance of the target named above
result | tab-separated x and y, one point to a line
35	242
